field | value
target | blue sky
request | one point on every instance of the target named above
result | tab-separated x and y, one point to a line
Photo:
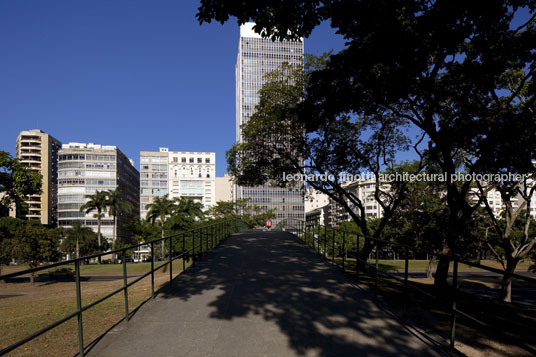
136	74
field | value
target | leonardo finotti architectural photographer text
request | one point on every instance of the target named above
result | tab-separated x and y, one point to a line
406	177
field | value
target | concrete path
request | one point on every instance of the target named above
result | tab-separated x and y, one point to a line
263	294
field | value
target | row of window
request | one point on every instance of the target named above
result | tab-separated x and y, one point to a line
90	157
87	165
154	191
275	192
158	175
276	200
69	182
76	173
87	222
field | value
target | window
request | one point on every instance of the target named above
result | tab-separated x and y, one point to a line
183	159
207	160
175	159
192	160
199	160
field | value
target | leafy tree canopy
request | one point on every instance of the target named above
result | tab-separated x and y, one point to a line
16	182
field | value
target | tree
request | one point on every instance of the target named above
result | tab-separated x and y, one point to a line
252	215
16	183
96	202
35	244
160	209
277	146
440	65
81	241
514	236
116	206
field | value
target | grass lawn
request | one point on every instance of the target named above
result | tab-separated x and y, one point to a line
420	266
25	309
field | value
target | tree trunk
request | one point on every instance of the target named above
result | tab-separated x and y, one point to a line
113	239
99	236
429	269
162	244
442	271
32	278
365	252
506	283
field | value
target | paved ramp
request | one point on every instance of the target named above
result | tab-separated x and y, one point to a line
263	294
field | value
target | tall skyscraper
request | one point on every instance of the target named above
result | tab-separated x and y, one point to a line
177	174
256	57
87	168
38	151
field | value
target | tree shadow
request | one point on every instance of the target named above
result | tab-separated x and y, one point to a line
271	276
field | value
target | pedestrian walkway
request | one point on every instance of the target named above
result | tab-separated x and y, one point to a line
263	294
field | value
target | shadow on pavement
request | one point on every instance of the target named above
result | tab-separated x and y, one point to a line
269	276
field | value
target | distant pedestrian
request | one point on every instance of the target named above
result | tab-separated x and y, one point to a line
269	224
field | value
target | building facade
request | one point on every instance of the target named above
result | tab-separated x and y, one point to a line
38	151
256	57
177	174
224	189
84	169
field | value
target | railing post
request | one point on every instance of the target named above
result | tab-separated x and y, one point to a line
333	246
325	241
357	257
193	247
454	292
152	270
406	266
344	251
183	254
79	308
318	245
376	270
170	260
125	288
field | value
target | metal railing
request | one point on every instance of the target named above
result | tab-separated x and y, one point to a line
312	236
200	239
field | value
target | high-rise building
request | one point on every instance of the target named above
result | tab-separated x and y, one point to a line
177	174
258	56
84	169
38	151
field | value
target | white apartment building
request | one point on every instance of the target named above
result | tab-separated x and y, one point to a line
84	169
364	189
177	174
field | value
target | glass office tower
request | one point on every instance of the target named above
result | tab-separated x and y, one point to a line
256	57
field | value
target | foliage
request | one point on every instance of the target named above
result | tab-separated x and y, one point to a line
252	215
81	241
96	202
460	73
16	183
117	206
35	244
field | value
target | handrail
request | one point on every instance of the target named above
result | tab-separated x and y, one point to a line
96	255
219	232
302	230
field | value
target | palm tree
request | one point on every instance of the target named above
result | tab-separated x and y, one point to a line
116	206
160	208
96	202
188	207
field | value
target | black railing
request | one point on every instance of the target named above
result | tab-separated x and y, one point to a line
312	236
200	240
